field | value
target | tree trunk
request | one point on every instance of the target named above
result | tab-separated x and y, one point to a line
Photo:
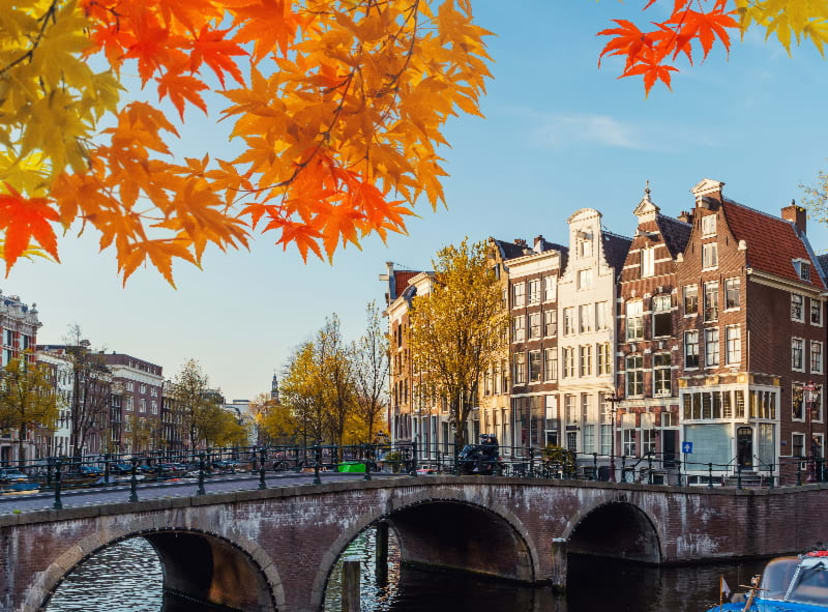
21	447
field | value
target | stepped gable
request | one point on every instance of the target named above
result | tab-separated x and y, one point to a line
615	249
772	243
675	233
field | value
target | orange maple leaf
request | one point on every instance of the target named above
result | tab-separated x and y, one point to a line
23	218
211	48
270	23
181	88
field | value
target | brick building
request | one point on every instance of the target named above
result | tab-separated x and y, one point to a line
533	290
649	347
753	333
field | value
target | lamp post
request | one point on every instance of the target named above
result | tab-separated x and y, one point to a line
613	400
811	397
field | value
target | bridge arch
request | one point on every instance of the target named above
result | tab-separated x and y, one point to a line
616	528
506	551
198	565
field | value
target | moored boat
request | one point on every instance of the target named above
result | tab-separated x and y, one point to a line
788	584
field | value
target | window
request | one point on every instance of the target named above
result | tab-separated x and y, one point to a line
635	375
550	323
662	316
648	441
535	366
647	261
534	291
797	350
797	305
734	344
711	301
586	360
154	407
691	349
585	317
550	288
661	374
629	442
601	315
635	320
691	300
589	439
568	362
130	386
816	312
518	295
797	402
710	255
142	407
584	279
604	359
732	293
803	269
711	347
816	357
584	245
518	328
708	223
519	375
569	321
551	366
534	325
798	445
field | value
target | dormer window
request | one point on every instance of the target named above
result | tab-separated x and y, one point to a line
708	223
803	269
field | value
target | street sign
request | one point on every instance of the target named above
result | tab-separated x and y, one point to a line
687	448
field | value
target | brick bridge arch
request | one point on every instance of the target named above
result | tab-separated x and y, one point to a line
198	564
520	563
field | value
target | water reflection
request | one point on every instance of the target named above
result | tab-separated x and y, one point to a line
127	577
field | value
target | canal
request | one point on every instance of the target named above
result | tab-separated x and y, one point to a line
127	577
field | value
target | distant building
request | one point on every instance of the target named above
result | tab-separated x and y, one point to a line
18	333
61	372
274	389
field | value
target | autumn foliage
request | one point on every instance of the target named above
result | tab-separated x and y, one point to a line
695	26
338	103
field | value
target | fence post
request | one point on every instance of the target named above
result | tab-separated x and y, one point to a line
107	458
200	490
413	472
317	459
439	462
770	475
624	468
799	472
649	467
367	462
262	467
58	505
710	475
133	481
531	452
739	475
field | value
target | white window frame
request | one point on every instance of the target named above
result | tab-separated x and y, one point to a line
585	360
518	295
734	356
539	358
584	274
668	390
798	299
534	291
638	375
550	288
818	345
801	343
550	358
738	282
519	328
603	359
634	313
647	261
708	225
568	320
710	255
658	310
696	344
818	304
519	372
684	300
711	337
550	325
601	316
531	335
585	318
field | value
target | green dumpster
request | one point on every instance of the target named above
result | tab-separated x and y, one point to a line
352	467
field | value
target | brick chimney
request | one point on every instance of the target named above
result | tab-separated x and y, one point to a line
685	216
538	244
796	215
520	242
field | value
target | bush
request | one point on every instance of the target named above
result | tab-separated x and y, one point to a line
395	459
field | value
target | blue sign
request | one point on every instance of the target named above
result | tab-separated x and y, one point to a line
687	448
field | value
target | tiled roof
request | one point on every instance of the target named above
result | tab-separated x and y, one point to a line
772	243
675	233
510	250
823	262
615	249
401	278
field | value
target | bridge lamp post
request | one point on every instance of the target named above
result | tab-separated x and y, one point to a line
811	398
613	400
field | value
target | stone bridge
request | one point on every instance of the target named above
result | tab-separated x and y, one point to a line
274	549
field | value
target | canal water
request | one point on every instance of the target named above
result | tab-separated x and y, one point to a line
127	577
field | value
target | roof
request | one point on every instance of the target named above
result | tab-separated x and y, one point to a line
401	278
510	250
772	243
615	249
675	233
823	262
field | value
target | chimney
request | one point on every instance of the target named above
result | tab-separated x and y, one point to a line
685	216
520	242
538	243
796	215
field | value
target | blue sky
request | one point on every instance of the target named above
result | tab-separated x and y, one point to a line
559	135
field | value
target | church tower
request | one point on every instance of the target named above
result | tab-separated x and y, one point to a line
274	388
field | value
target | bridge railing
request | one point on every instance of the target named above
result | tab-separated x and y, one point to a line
61	474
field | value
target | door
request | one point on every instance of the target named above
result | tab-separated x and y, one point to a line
669	444
744	447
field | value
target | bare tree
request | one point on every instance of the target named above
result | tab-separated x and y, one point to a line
370	369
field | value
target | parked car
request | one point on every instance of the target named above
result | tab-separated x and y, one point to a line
90	470
120	468
11	475
226	467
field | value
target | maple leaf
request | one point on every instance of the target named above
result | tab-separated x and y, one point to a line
22	219
211	48
181	88
652	70
267	23
303	235
627	40
706	27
